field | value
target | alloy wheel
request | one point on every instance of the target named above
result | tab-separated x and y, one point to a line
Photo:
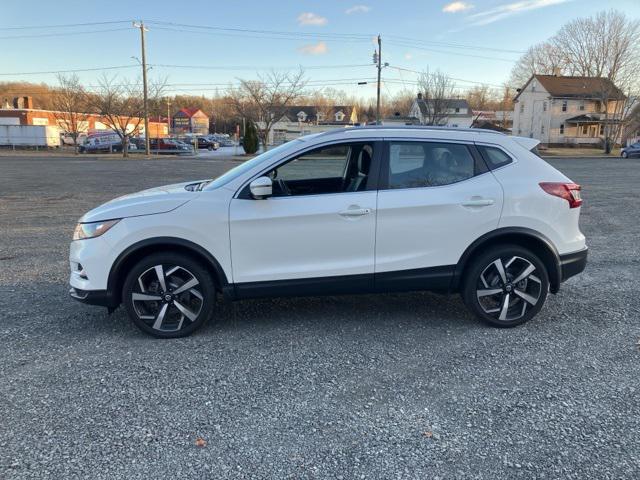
167	298
508	287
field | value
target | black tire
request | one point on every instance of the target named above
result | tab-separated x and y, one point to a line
624	155
184	311
483	277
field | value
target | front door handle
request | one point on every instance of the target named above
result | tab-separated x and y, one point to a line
355	212
478	202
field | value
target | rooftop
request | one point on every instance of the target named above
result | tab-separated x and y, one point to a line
577	87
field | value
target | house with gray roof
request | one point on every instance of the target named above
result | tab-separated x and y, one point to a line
446	112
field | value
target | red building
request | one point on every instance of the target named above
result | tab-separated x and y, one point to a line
191	120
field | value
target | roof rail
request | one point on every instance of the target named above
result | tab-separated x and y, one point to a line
408	127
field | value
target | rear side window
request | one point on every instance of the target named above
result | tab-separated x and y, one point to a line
428	164
494	157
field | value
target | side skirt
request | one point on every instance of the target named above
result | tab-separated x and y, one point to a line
434	279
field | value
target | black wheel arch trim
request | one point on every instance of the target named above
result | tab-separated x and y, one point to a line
555	272
115	274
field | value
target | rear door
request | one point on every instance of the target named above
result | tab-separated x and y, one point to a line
435	199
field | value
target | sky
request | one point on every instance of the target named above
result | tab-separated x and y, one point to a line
202	47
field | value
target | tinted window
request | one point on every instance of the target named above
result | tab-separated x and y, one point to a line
495	157
428	164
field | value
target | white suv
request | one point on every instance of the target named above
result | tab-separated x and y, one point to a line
365	209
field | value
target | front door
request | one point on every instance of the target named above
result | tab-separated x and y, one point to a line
318	224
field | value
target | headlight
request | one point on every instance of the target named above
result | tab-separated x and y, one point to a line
92	230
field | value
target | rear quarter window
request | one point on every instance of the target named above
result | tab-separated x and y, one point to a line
494	157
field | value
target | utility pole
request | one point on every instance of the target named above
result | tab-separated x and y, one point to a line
144	87
379	61
168	117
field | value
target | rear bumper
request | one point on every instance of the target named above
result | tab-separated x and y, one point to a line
573	263
103	298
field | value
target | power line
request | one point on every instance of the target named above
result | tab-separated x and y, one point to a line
75	70
253	67
452	45
451	78
62	34
267	32
483	57
292	36
67	25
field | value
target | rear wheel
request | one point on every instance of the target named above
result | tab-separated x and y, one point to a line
168	295
506	286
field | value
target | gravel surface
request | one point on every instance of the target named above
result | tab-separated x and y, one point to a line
388	386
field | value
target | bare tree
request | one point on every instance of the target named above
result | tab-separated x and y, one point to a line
606	45
265	101
437	91
69	107
398	105
121	106
545	58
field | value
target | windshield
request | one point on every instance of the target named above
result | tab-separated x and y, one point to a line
248	165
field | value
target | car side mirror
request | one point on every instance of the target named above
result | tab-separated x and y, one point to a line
261	188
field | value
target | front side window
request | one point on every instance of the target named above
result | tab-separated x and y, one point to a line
429	164
248	165
331	169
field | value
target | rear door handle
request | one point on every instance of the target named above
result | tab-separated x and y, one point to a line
355	212
478	202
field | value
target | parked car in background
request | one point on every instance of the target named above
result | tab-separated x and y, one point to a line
357	210
207	143
630	151
104	141
224	140
169	145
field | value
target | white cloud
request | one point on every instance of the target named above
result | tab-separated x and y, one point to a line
308	18
455	7
357	9
408	56
509	9
319	48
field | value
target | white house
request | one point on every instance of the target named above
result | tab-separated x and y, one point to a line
561	110
305	119
450	112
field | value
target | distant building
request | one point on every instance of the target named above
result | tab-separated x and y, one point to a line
450	112
92	122
305	119
190	120
561	110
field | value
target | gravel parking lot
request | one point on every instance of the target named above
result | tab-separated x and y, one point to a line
391	386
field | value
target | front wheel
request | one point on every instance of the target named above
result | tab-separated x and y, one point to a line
168	295
625	154
506	286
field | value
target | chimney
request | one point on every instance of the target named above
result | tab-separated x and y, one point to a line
557	72
419	95
23	102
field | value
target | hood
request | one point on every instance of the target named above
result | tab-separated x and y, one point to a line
147	202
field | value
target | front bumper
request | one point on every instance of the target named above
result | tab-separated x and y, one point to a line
572	264
103	298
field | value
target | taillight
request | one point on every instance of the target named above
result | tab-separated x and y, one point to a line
569	191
